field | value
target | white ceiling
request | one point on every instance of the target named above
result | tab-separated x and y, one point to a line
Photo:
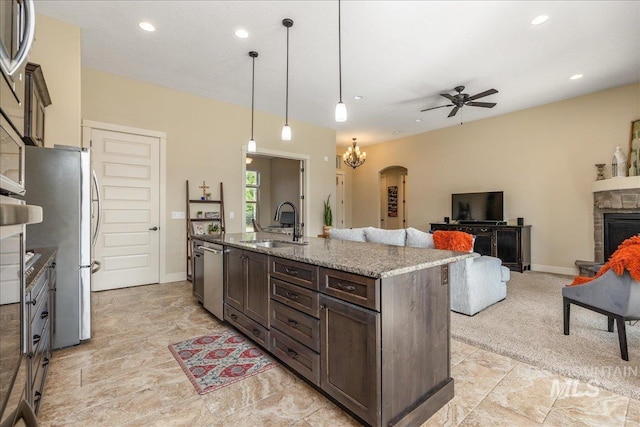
398	55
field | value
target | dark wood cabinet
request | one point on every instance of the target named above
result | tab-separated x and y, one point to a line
377	346
350	356
510	243
234	277
256	297
246	293
36	100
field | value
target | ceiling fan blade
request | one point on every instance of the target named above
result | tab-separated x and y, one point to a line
446	95
454	112
482	104
482	94
433	108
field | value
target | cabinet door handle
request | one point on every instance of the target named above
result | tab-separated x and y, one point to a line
321	306
45	362
292	296
44	314
292	323
34	301
256	332
292	353
291	271
348	288
36	339
234	317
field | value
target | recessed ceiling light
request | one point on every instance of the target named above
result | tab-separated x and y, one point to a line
541	19
147	26
358	97
418	120
576	77
242	34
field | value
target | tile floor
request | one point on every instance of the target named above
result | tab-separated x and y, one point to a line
126	376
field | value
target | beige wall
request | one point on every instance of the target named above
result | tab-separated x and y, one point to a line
348	184
57	49
285	183
542	158
204	141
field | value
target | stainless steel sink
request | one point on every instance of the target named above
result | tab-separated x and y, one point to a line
270	243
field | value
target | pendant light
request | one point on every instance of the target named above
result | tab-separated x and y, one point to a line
341	109
286	130
251	147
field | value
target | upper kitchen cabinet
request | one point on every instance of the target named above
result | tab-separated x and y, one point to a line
17	23
36	100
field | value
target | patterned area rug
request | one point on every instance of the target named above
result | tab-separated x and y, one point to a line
215	361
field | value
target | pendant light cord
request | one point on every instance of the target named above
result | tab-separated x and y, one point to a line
286	120
339	52
253	84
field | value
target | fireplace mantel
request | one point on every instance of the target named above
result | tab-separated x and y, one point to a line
617	183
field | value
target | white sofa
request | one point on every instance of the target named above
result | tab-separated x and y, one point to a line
477	282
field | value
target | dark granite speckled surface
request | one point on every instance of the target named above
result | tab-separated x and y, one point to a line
367	259
39	266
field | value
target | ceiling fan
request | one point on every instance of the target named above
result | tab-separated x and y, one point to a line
460	99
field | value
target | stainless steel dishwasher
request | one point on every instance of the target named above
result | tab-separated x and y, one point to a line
213	278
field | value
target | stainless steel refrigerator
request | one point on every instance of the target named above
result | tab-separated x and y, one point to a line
60	180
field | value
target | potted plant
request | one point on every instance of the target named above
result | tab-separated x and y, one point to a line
199	214
328	217
213	228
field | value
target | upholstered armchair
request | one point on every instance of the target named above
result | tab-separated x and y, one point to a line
482	281
617	297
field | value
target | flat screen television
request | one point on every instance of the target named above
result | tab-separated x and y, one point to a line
477	207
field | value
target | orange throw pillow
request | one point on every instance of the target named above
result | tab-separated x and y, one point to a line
458	241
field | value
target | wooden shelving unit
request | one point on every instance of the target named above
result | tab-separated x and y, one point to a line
217	206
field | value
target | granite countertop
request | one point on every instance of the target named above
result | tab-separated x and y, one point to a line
39	266
367	259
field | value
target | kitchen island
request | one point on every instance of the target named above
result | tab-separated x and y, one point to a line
367	324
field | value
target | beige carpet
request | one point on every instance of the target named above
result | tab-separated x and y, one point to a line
527	326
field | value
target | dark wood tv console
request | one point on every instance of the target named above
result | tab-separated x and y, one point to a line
510	243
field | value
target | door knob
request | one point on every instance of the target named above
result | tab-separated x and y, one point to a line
154	229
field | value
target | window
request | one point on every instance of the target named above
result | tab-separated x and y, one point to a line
252	196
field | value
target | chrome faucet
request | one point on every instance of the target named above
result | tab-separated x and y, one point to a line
296	234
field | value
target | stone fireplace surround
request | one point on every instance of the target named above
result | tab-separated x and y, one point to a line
613	196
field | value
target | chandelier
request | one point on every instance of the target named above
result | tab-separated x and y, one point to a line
353	157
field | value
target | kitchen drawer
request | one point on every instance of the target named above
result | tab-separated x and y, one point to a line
40	356
39	291
301	299
295	324
360	290
302	274
247	326
298	357
40	366
39	316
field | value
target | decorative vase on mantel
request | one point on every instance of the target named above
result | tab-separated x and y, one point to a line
618	163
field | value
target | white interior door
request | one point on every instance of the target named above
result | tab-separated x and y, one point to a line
128	171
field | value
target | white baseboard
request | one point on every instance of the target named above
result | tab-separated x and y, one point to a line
570	271
175	277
